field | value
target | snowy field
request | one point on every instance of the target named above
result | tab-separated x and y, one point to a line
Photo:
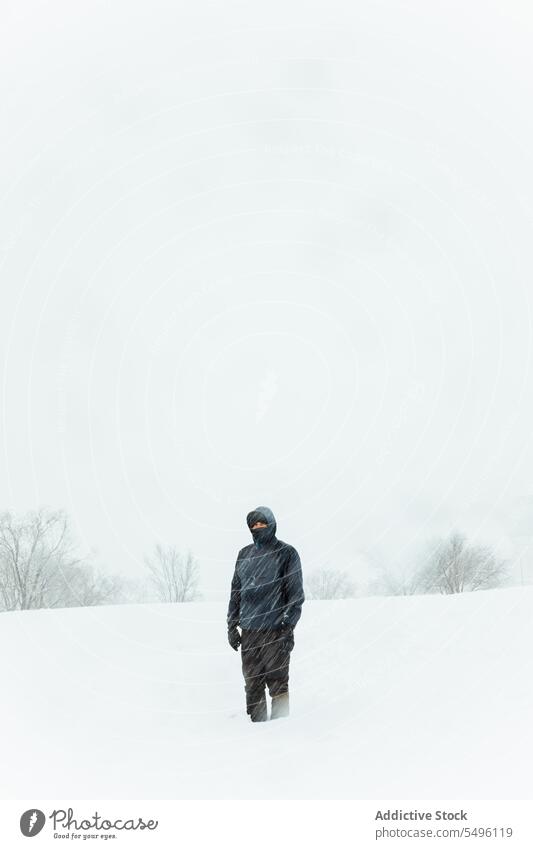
411	697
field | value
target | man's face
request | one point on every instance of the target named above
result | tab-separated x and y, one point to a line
259	525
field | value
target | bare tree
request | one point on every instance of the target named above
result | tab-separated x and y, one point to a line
34	549
454	566
174	576
81	585
329	584
400	582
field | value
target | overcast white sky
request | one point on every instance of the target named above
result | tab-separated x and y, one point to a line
268	254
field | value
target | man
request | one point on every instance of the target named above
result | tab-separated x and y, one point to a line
266	601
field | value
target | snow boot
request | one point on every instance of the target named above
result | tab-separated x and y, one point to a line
280	706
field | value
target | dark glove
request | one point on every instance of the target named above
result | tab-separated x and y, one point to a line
234	638
287	637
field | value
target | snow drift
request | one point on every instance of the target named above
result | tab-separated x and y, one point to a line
397	697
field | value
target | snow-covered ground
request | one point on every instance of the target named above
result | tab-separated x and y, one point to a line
411	697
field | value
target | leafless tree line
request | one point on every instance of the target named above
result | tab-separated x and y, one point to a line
449	565
329	584
40	567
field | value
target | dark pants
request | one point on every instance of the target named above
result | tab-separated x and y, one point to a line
265	660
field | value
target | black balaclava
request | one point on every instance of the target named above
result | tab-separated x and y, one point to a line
262	536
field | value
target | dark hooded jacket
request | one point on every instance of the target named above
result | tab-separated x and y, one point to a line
267	587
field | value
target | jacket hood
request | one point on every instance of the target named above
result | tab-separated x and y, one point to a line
262	536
